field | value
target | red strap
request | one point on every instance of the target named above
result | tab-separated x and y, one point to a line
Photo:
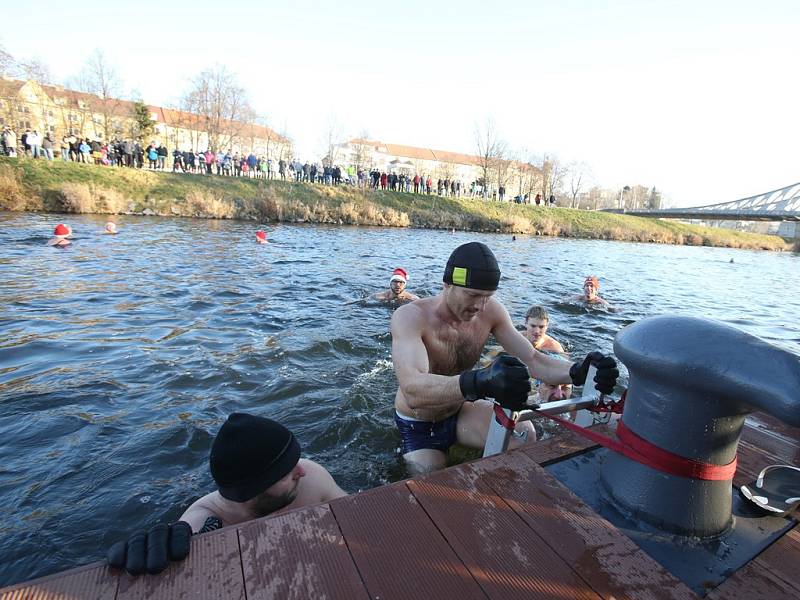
646	453
503	419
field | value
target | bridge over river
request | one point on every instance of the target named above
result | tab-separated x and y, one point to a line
777	205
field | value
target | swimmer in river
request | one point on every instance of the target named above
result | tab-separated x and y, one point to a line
397	288
60	234
436	342
591	287
111	228
256	465
261	237
536	323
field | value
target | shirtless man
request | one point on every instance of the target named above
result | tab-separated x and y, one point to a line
591	286
536	322
435	343
397	288
256	465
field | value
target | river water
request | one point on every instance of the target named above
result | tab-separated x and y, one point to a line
121	355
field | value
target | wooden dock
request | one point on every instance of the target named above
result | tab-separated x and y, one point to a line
499	528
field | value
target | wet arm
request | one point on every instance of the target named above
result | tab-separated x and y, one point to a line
420	388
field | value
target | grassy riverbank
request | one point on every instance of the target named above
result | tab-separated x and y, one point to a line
38	185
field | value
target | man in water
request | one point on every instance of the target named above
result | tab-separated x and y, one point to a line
256	465
591	287
397	288
60	234
435	343
536	323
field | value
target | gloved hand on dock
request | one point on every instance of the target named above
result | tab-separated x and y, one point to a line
150	551
606	375
506	380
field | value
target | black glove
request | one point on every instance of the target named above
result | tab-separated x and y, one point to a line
152	550
506	380
606	375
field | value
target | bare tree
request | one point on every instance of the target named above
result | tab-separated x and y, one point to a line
221	104
271	137
557	173
362	151
99	78
34	69
491	150
578	174
331	139
7	63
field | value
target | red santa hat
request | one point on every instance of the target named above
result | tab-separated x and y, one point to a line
261	235
399	275
61	230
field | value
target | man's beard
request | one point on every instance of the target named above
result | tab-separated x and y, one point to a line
266	504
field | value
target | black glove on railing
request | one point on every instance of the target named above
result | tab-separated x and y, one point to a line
606	375
506	380
152	550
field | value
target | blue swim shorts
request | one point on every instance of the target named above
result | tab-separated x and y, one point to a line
436	435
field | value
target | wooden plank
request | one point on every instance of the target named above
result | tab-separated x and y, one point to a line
563	445
786	449
751	582
300	554
397	548
782	559
608	560
760	420
212	571
751	460
507	559
91	582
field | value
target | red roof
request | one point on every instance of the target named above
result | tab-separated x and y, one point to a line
123	108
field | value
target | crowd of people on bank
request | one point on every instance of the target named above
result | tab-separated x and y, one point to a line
153	156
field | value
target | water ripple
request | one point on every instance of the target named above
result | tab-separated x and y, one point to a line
121	357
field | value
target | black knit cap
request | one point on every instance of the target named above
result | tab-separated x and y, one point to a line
473	265
250	454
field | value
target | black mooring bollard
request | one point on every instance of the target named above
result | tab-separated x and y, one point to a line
692	382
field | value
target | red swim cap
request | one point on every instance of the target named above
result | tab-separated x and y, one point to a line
261	235
61	229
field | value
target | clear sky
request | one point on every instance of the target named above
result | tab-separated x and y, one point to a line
698	98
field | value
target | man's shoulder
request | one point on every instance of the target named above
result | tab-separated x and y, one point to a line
551	344
412	314
417	309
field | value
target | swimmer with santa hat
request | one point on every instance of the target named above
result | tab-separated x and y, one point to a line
397	288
